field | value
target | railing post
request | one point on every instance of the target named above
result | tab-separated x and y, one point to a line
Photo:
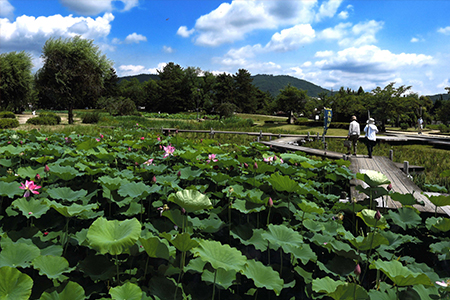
391	154
318	136
211	133
406	167
260	136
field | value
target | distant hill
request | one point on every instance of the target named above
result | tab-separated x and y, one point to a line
438	96
266	83
273	84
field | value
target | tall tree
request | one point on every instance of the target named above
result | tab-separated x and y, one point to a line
16	81
171	88
292	99
74	70
245	92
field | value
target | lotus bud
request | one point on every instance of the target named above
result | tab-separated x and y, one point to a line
357	270
389	187
46	169
274	158
245	165
159	139
255	165
270	202
136	164
129	148
46	139
183	210
37	177
154	179
378	215
179	173
46	233
30	213
142	138
216	167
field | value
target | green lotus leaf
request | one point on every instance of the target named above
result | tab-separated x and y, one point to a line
66	193
302	252
441	224
247	207
371	241
30	172
191	200
347	291
325	285
256	196
375	192
280	236
400	275
155	247
434	188
221	277
52	266
72	291
55	250
31	207
220	256
65	173
6	162
440	200
98	267
373	178
263	276
127	291
43	159
383	295
11	150
189	174
18	254
73	209
110	183
14	285
404	199
235	190
442	249
295	158
156	169
113	237
134	190
88	144
197	265
10	189
210	225
445	173
368	216
310	207
282	183
183	242
405	218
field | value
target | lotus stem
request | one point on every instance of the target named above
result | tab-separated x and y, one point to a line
117	269
214	285
281	261
268	216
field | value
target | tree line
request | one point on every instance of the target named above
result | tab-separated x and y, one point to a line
75	74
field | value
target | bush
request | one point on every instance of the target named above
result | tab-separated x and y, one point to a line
8	123
404	126
444	128
90	118
7	114
43	120
51	115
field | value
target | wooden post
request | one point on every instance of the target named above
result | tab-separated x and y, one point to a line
391	154
211	133
260	136
406	167
318	136
279	135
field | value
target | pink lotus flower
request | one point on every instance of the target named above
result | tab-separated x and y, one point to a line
270	202
149	162
29	187
211	158
357	270
255	165
154	179
443	283
169	150
159	139
46	169
101	136
97	139
142	138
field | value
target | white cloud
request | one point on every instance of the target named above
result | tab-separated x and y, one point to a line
168	49
343	15
326	53
95	7
128	70
135	38
360	34
6	9
291	38
233	21
414	40
338	32
328	9
184	32
30	33
444	30
245	52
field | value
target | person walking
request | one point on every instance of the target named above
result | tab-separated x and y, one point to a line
353	134
420	125
371	131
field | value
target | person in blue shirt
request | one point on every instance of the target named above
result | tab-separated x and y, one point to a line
371	131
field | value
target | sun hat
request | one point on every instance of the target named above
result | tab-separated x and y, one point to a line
353	118
370	121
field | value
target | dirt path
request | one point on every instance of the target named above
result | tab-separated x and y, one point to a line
22	118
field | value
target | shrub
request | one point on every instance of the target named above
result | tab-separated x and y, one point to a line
90	118
404	126
8	123
7	114
43	120
51	115
444	128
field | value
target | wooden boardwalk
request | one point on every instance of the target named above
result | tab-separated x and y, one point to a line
360	164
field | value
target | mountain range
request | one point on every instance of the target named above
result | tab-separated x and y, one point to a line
274	83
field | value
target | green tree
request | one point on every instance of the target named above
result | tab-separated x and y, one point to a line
16	81
151	96
245	95
73	73
292	99
132	89
443	112
171	88
224	90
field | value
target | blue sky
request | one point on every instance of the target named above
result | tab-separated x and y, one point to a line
333	43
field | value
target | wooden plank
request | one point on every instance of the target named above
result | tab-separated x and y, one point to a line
312	151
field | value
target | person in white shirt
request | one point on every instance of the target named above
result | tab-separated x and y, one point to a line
371	131
353	134
420	123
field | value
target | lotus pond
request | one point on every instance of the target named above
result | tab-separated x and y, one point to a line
133	215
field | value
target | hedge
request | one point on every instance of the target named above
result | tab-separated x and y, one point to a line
7	114
8	123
